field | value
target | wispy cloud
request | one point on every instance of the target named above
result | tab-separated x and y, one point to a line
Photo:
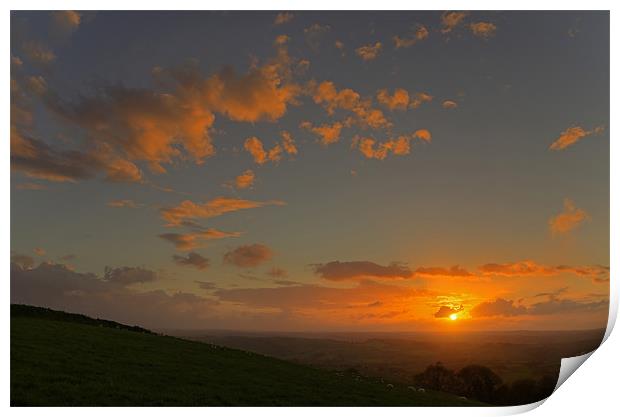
356	270
192	259
369	52
568	219
248	256
188	209
192	240
283	17
572	135
124	203
420	33
483	30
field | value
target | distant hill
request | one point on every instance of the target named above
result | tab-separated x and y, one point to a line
397	357
59	358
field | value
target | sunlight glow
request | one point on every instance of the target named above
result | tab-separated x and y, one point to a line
453	316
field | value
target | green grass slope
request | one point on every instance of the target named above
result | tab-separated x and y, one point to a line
63	359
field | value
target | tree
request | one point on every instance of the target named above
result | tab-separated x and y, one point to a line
439	378
479	382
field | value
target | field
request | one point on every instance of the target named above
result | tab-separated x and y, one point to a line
60	359
400	356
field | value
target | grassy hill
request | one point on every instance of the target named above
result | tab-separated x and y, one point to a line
66	359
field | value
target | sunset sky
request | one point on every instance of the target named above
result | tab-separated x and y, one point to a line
312	170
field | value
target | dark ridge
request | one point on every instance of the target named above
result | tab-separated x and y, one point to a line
21	310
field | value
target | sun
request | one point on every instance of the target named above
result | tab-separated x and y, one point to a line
454	316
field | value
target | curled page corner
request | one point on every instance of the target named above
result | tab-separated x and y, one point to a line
569	365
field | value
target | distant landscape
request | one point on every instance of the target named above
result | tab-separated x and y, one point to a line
398	356
70	359
60	359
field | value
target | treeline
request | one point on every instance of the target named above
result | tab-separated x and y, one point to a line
481	383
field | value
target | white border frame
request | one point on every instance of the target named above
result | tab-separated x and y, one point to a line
591	392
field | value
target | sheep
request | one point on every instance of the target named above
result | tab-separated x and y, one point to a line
421	390
463	398
412	388
390	385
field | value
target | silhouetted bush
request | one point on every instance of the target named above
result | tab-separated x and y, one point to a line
438	377
481	383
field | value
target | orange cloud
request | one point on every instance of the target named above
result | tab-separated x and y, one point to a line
447	311
450	20
36	159
569	219
522	268
189	241
328	133
39	251
372	149
248	256
264	93
398	101
597	273
420	34
508	308
282	39
288	143
123	203
423	135
283	17
369	52
174	122
65	21
187	209
499	307
356	270
369	117
16	62
326	94
483	30
449	104
255	147
573	135
121	170
454	271
245	180
332	302
145	125
420	98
